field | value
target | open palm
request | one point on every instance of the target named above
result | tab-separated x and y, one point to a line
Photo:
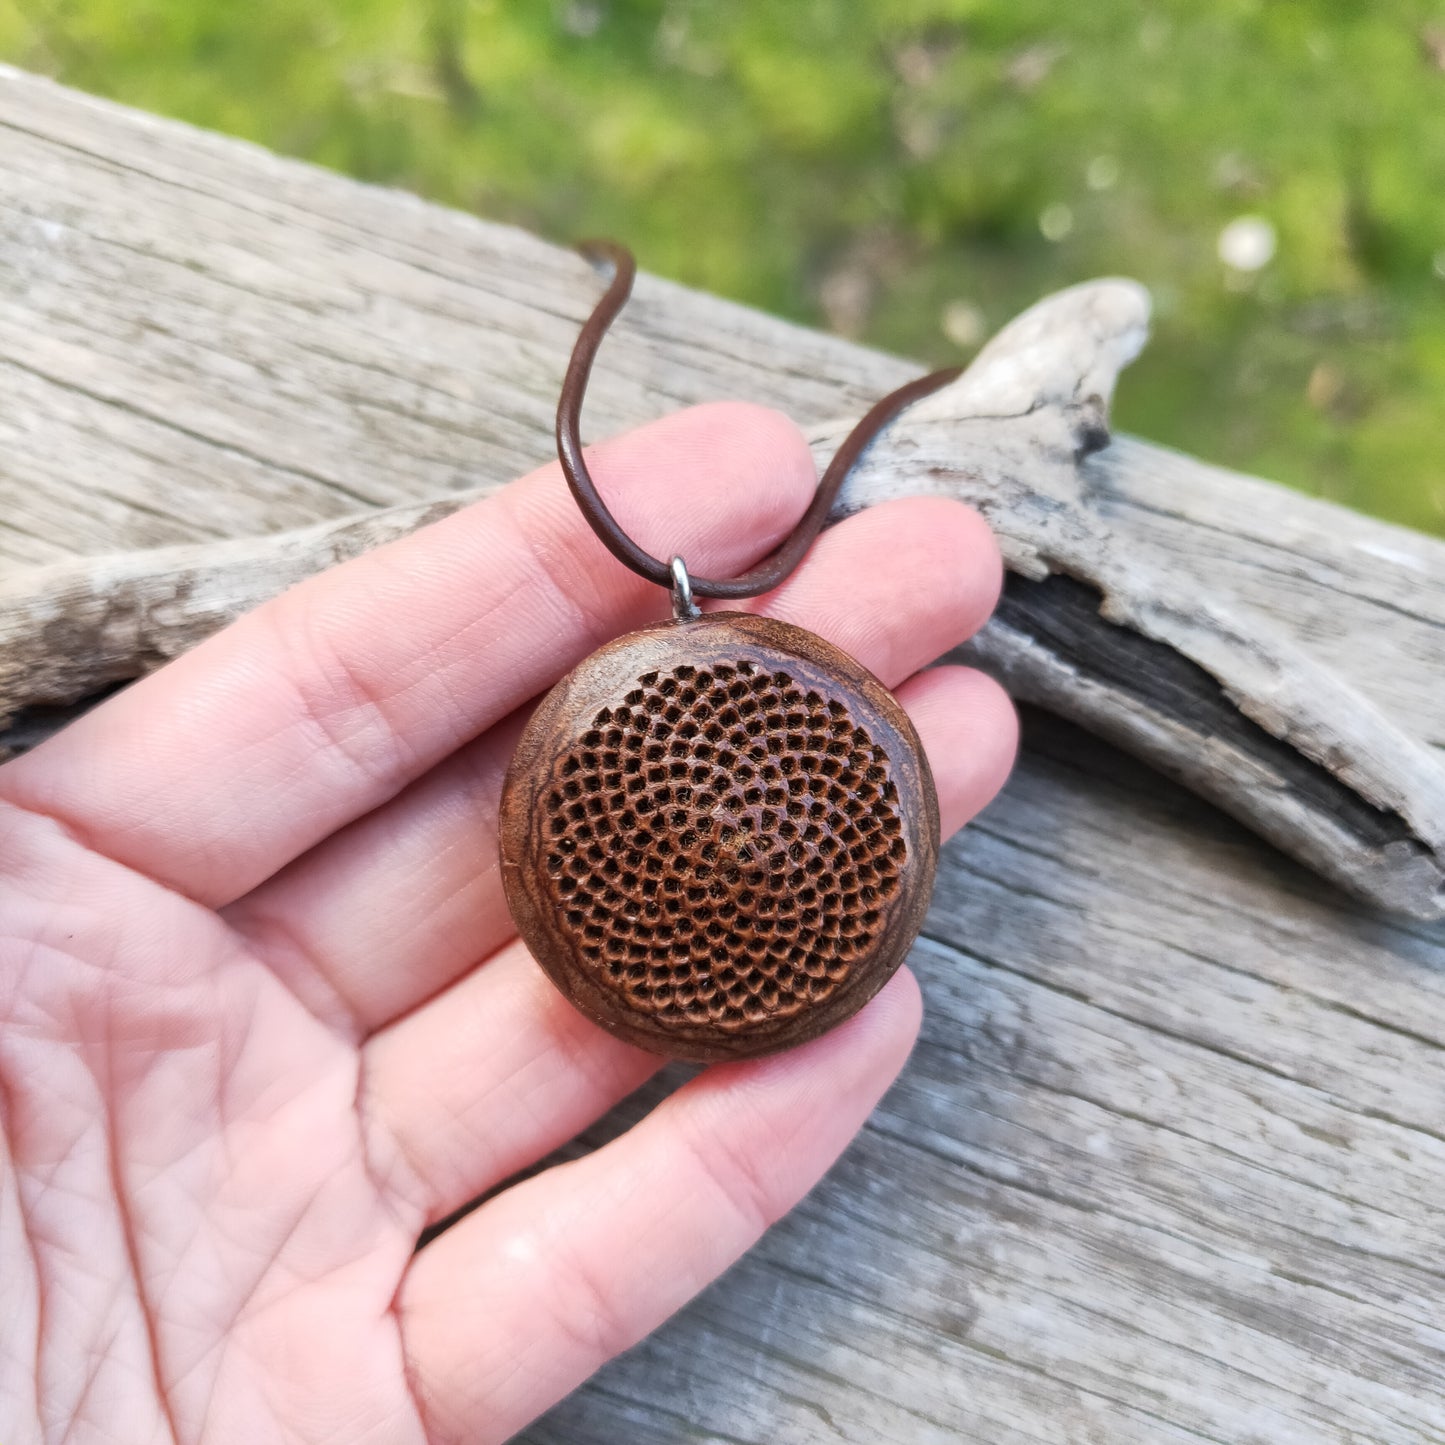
263	1017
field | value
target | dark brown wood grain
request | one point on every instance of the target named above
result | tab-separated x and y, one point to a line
719	837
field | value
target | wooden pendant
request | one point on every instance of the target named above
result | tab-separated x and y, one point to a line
719	836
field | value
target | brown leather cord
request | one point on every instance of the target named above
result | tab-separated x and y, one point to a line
779	563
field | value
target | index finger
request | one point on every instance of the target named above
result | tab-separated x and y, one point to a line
322	704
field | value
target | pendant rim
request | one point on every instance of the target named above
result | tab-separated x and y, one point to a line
566	712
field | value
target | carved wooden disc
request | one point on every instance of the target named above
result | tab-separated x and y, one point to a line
719	837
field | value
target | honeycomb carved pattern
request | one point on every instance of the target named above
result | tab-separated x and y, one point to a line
718	837
723	843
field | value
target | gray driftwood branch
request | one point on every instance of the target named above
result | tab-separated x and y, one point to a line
1105	632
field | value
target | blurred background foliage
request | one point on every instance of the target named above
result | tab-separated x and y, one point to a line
910	172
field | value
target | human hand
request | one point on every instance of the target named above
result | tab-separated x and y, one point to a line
263	1018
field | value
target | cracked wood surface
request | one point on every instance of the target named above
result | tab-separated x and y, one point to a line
1165	1165
201	341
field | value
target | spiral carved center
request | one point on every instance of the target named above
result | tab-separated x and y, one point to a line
723	845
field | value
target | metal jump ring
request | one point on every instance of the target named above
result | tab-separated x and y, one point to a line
684	609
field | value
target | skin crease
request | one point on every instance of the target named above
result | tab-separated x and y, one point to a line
262	1018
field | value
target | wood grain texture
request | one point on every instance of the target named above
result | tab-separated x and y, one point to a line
719	836
1166	1165
253	347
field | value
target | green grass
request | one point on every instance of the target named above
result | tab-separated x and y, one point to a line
908	171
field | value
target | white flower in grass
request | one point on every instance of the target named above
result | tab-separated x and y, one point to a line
1247	243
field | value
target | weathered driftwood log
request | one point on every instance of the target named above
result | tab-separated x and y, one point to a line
1099	629
1166	1164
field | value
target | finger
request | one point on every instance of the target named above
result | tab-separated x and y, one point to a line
523	1299
324	703
395	907
499	1069
970	732
896	586
484	1080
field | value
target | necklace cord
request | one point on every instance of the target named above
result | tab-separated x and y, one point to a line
779	563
